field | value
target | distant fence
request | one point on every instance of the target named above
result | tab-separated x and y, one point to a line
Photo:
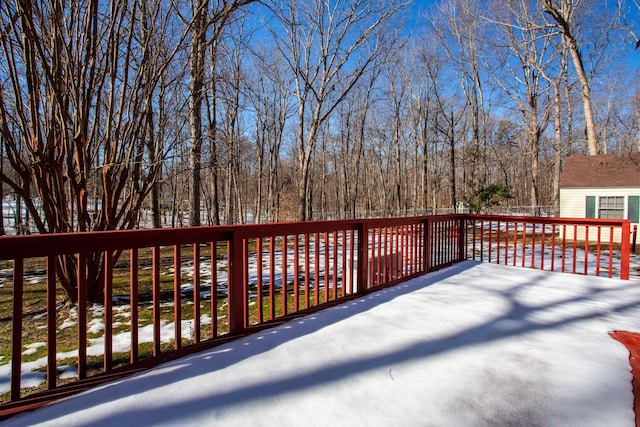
170	292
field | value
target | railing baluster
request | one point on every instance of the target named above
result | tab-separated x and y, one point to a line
376	257
51	323
598	251
296	272
177	297
610	252
272	279
334	260
196	293
316	287
506	244
108	311
82	315
524	242
498	243
533	245
515	242
564	247
259	260
490	239
327	271
586	249
575	249
482	240
396	268
213	265
133	303
284	275
542	246
343	282
352	247
16	324
553	247
307	270
155	284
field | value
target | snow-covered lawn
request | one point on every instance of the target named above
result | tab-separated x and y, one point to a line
475	344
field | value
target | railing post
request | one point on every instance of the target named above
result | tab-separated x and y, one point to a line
462	233
235	285
363	257
426	243
625	249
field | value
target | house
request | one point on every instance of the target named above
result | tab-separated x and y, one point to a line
604	186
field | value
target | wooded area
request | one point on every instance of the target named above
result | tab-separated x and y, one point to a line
126	114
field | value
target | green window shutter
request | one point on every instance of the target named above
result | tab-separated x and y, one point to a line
591	207
634	208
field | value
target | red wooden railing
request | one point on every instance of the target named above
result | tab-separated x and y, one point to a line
568	245
216	283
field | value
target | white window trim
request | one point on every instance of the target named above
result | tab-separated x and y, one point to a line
625	212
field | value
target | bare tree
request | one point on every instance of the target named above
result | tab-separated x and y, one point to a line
521	75
79	78
272	102
563	13
206	28
328	47
459	31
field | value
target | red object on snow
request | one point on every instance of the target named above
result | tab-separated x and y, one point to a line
631	340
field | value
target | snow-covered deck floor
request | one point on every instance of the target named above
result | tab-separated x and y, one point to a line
474	344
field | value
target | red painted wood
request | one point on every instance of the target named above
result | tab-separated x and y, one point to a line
398	248
575	250
625	251
155	294
284	275
586	249
133	302
542	247
344	263
177	297
108	311
307	273
351	258
196	292
259	261
272	280
631	340
553	246
296	272
51	323
533	245
213	262
16	323
564	246
598	251
610	252
82	315
326	267
334	261
524	241
316	277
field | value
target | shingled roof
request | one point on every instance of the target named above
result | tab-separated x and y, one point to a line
604	171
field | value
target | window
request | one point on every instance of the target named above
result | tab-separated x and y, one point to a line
611	207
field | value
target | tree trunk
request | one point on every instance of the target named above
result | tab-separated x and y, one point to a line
196	84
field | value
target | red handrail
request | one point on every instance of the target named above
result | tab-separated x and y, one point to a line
308	266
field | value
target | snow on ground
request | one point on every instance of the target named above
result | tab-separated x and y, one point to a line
475	344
